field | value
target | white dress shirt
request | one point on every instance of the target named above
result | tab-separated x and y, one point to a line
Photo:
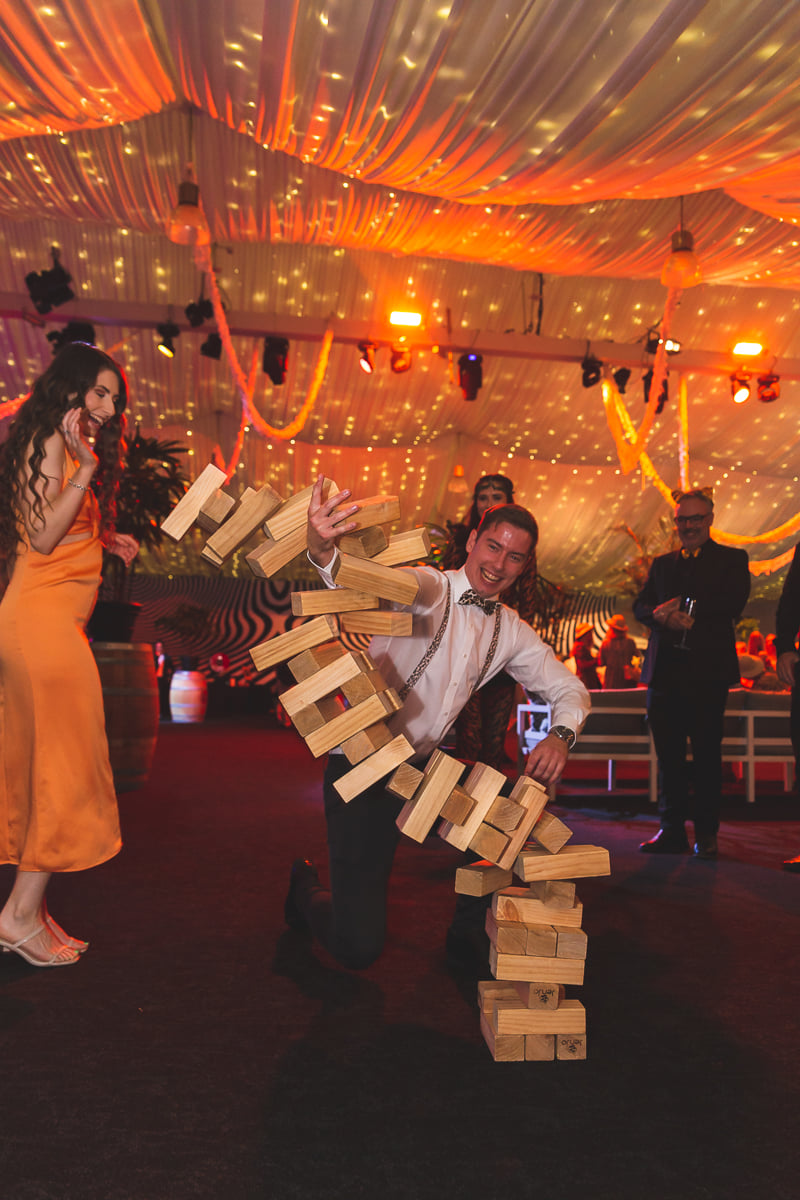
432	705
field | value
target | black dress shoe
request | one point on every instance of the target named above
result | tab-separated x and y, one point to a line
792	864
303	878
664	843
706	847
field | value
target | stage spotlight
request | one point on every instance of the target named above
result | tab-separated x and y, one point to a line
592	370
199	311
212	346
401	359
73	331
740	386
50	288
672	346
167	332
621	378
276	358
367	360
769	388
647	380
470	375
651	341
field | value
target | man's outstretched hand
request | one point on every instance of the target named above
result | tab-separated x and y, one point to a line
327	522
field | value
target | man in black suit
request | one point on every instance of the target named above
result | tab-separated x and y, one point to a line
689	666
787	624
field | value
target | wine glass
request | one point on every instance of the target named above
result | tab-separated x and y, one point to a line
687	606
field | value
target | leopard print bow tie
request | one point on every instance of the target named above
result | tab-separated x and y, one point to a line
471	597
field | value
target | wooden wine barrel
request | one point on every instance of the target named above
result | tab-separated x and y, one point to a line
188	697
130	697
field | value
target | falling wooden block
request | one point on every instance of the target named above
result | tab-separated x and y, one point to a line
293	513
551	833
489	842
458	806
374	768
506	936
569	1017
360	686
328	680
366	742
418	814
215	510
572	943
375	708
379	624
481	879
503	1047
374	510
573	862
492	990
364	543
331	600
407	547
483	783
186	511
313	660
269	557
314	716
540	1047
523	904
570	1046
405	781
252	511
541	940
540	995
293	642
505	814
367	576
532	797
536	968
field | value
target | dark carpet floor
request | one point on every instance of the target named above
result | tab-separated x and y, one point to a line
202	1050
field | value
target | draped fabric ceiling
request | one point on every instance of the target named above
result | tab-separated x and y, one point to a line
512	169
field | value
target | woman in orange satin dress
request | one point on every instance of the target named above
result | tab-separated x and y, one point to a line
59	471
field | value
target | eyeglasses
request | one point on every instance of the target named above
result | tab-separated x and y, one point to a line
698	520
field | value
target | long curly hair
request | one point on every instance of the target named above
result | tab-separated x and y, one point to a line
63	386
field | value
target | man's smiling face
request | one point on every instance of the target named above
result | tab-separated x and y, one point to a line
496	558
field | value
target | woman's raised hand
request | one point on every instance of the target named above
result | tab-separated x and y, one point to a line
77	442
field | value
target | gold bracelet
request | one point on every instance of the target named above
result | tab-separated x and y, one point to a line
79	486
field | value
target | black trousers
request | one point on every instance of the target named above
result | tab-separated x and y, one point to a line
349	919
688	709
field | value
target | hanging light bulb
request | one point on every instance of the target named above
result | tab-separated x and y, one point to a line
187	224
458	484
681	270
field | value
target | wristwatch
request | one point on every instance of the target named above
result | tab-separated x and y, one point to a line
567	735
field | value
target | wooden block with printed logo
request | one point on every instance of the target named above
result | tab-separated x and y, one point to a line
481	879
369	712
523	904
364	543
503	1047
185	512
294	641
540	1047
439	777
253	509
508	937
532	797
269	557
314	716
569	1017
458	806
404	781
379	624
326	681
572	943
570	1046
535	968
375	510
541	940
366	742
373	768
505	814
540	995
492	990
215	510
483	783
489	842
405	547
365	575
313	660
573	862
551	833
331	600
293	513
